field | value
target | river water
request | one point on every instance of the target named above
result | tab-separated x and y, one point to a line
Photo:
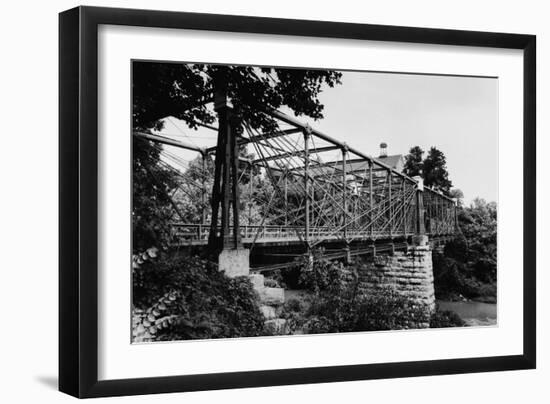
473	313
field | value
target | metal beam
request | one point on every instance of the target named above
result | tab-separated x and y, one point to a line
260	137
168	141
297	153
294	122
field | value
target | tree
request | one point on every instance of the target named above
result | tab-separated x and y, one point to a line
469	264
151	205
435	170
458	195
413	162
183	91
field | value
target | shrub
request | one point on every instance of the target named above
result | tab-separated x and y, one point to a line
208	304
319	274
445	319
388	310
272	283
385	310
337	304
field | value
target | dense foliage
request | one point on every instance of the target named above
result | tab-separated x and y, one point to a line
435	171
180	90
336	303
468	266
432	168
208	304
445	319
414	162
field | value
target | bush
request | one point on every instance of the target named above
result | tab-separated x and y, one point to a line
293	312
208	304
272	283
352	312
388	310
453	278
337	304
445	319
469	264
320	274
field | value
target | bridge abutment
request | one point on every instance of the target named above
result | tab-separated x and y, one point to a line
410	274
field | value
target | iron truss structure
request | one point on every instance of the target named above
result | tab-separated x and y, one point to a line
300	187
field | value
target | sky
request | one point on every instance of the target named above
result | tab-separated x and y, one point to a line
458	115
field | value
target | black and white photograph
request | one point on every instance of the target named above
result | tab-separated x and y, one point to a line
278	201
275	202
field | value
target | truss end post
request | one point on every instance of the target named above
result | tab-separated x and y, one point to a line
347	251
373	248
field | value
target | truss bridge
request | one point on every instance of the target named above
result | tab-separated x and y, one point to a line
294	189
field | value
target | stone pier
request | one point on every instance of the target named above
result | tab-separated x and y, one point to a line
409	273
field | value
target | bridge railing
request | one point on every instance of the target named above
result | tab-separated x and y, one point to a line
197	234
440	213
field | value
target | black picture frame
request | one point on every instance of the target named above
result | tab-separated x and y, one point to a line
78	201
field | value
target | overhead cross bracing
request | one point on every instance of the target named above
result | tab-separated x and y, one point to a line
302	186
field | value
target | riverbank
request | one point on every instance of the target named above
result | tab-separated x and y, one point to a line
489	297
473	313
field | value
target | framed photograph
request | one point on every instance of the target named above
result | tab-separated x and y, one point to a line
251	201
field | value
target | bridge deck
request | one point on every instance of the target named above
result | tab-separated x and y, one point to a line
197	235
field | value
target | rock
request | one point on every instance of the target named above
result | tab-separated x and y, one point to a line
272	296
269	312
277	326
257	281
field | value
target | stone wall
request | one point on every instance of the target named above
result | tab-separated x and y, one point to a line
271	304
236	263
408	273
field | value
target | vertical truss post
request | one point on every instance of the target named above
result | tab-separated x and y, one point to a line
250	190
390	224
355	202
455	215
437	215
307	134
371	202
344	192
286	200
391	221
371	213
235	241
226	186
345	201
404	208
449	210
420	228
203	190
449	217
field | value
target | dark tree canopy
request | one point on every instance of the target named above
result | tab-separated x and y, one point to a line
469	264
435	170
413	162
180	90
